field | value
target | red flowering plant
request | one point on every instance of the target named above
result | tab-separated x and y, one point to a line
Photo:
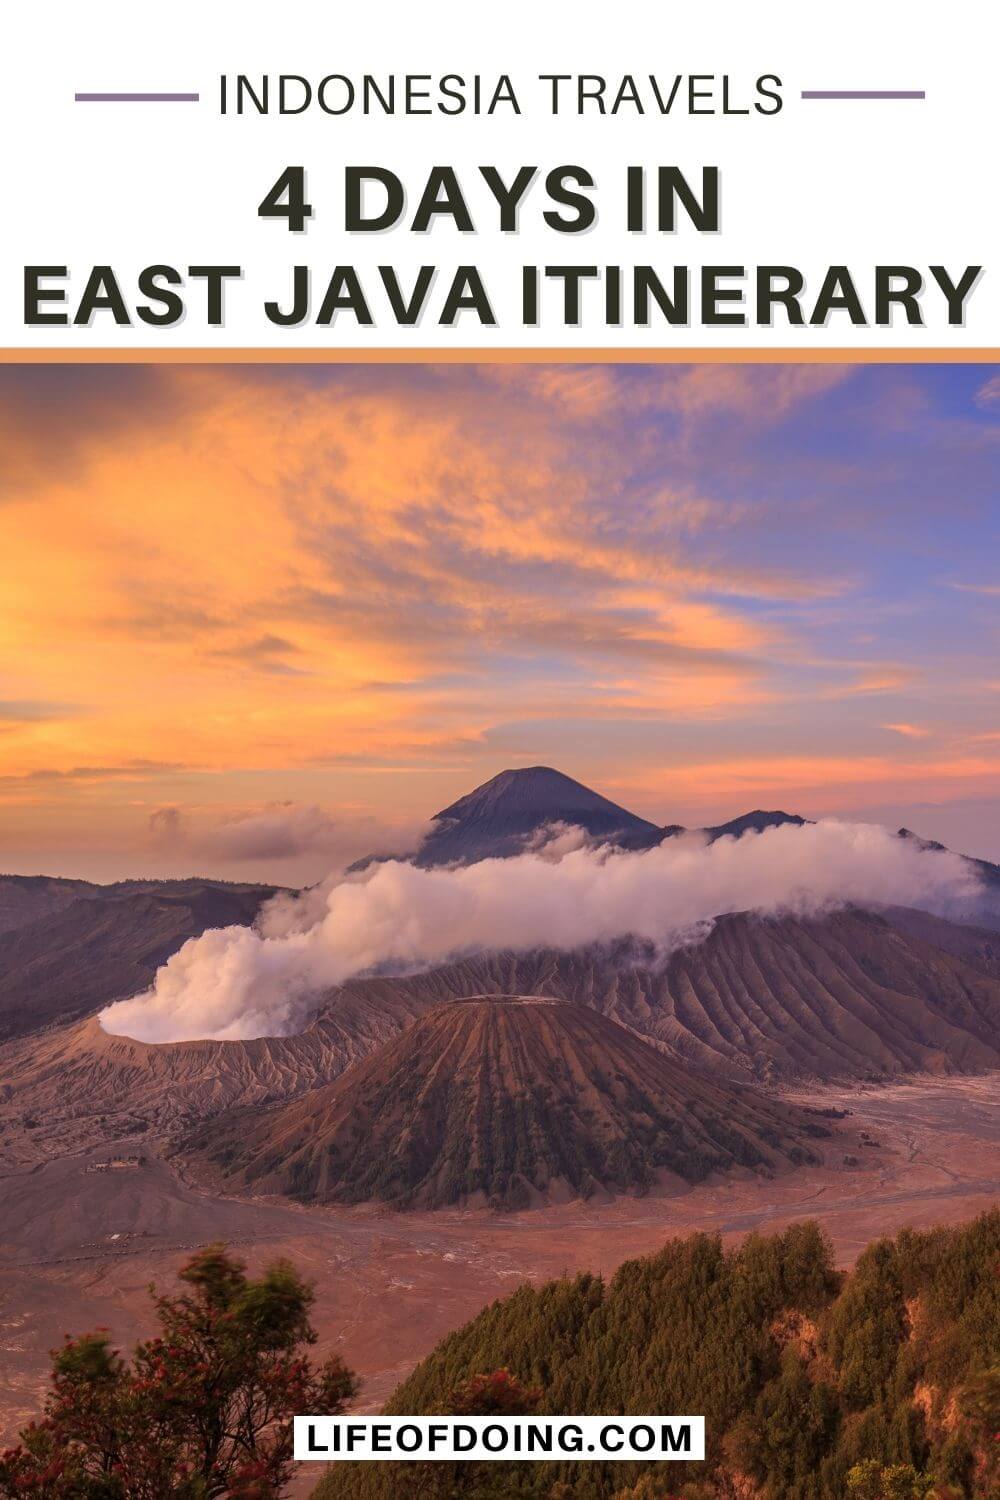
203	1409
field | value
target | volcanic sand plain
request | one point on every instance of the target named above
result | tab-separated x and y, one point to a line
79	1247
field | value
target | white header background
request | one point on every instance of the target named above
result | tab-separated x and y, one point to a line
820	183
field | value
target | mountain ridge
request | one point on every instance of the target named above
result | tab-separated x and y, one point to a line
500	818
84	951
854	996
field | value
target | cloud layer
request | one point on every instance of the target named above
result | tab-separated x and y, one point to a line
238	983
284	831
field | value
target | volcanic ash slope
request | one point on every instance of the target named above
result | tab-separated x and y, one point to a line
508	1101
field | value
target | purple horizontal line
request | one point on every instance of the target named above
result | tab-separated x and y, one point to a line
863	94
136	98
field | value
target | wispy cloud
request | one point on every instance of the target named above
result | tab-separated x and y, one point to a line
33	710
281	831
136	770
265	653
988	394
873	678
991	589
909	731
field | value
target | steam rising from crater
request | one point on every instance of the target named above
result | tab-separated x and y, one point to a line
237	983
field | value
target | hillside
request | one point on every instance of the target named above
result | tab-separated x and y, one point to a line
801	1373
76	1086
509	1101
24	898
988	872
977	946
849	995
83	951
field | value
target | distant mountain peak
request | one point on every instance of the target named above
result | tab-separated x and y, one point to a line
907	833
754	822
988	872
538	789
497	819
500	818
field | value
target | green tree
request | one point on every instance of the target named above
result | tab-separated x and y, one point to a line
499	1394
649	1487
203	1409
979	1403
871	1480
804	1374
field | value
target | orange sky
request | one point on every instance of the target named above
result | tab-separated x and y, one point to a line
255	621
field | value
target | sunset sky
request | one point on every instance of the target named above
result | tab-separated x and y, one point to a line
255	620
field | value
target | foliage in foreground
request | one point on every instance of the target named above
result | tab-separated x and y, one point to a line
880	1385
203	1409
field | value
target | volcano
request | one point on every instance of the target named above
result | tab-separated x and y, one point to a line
508	1101
501	817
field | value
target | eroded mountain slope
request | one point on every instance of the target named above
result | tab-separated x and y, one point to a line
849	996
507	1100
88	949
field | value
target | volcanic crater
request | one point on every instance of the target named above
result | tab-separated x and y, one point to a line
508	1101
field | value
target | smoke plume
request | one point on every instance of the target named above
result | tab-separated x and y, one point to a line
236	982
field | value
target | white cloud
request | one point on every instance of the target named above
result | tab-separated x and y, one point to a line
239	983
